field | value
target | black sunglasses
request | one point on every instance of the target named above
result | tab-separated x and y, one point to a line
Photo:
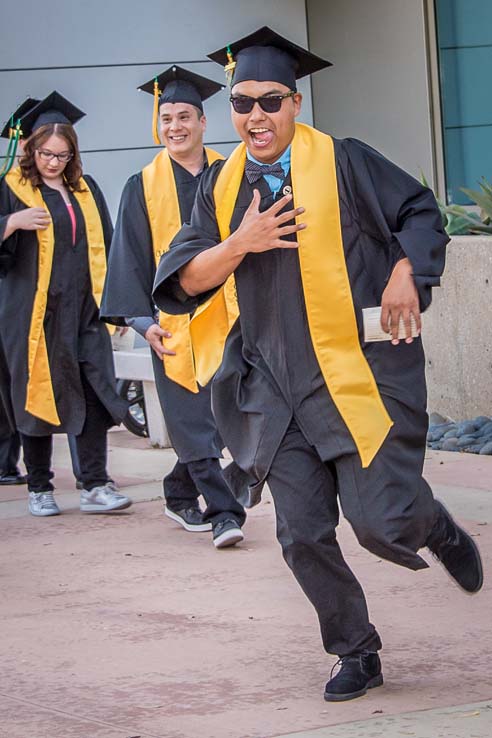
269	103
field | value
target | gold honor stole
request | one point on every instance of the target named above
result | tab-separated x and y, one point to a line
40	399
196	340
325	281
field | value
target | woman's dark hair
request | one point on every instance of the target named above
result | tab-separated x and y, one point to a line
72	172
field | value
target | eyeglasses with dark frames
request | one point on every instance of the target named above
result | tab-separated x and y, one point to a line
49	155
268	103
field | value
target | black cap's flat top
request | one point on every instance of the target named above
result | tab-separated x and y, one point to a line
265	44
53	109
204	87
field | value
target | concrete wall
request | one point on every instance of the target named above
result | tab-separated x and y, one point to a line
457	332
116	45
378	87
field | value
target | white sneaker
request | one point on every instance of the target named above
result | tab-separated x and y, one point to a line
103	499
43	504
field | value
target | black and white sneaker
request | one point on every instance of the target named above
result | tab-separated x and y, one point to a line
12	477
227	533
190	518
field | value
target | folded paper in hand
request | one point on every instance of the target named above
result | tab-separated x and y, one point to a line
372	326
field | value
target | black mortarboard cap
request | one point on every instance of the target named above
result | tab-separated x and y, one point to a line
53	109
177	85
28	104
265	56
180	85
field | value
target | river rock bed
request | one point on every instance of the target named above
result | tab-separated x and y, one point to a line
471	436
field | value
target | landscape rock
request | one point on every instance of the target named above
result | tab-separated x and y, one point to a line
450	444
464	441
466	427
485	429
438	419
436	432
481	420
473	449
471	436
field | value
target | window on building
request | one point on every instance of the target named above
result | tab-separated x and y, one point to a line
464	29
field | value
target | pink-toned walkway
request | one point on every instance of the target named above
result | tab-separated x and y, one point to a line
127	626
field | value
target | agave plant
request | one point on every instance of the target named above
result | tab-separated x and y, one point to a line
458	221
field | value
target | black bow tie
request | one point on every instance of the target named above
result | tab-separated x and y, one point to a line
255	171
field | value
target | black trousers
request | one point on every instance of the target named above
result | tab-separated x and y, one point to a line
9	453
186	482
389	505
91	447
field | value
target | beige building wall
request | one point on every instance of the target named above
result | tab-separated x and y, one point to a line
378	88
457	332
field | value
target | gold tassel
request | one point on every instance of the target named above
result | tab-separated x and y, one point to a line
155	115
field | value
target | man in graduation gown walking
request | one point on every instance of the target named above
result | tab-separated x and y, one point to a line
314	229
154	204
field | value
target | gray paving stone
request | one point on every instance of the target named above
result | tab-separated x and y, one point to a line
465	721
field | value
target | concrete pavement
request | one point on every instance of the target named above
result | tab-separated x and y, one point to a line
126	626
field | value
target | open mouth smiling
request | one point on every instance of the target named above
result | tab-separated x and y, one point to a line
261	136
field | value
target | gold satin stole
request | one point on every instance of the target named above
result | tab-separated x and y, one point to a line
197	339
326	287
40	399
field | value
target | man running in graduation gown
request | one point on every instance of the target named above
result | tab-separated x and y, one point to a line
154	204
300	399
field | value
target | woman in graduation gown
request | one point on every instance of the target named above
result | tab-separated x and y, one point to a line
55	354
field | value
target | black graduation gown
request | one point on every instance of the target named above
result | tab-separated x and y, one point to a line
270	374
128	294
76	339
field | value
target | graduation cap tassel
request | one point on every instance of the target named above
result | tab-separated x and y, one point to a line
5	165
14	135
11	162
229	67
155	115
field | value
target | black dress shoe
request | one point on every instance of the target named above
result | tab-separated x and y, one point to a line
358	673
457	552
12	478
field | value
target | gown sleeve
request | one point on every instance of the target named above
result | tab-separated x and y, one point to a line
396	209
140	325
8	204
201	233
131	267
